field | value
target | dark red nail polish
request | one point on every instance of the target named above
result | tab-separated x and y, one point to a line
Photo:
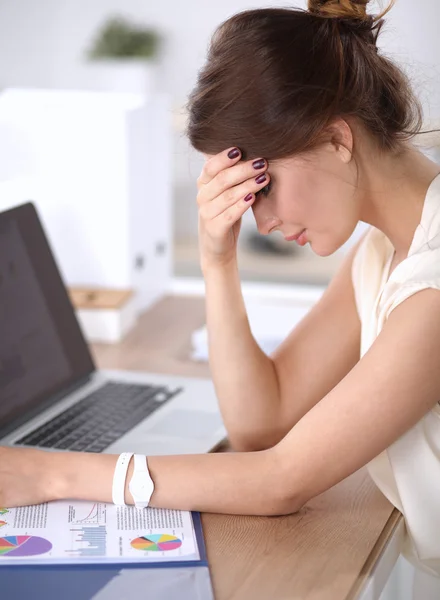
258	164
261	178
248	198
233	153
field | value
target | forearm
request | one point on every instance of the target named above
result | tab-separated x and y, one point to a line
229	483
244	376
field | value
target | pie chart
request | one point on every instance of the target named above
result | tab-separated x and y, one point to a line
156	543
23	545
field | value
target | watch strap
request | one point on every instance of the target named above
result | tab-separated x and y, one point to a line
119	477
140	471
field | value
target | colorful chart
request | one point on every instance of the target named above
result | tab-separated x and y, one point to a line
89	541
3	523
23	545
156	543
3	511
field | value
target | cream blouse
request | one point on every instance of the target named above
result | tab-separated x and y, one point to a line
408	472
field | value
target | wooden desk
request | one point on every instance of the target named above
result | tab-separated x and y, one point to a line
327	551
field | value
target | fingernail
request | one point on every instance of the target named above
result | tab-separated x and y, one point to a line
261	178
233	153
248	198
258	164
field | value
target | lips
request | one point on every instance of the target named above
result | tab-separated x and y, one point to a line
293	238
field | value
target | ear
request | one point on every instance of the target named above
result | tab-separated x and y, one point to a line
341	138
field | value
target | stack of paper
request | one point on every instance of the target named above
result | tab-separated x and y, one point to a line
270	324
75	532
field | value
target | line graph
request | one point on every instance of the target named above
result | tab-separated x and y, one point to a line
94	515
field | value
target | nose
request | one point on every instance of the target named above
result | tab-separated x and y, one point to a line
264	219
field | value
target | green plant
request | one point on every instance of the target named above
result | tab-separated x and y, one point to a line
118	38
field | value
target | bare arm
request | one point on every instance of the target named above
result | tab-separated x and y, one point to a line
384	395
262	397
320	351
388	391
244	376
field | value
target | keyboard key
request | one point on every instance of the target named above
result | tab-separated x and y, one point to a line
64	444
79	446
102	417
97	447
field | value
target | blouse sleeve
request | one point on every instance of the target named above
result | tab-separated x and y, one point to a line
420	272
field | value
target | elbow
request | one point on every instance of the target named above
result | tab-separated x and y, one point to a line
244	444
284	493
252	441
282	504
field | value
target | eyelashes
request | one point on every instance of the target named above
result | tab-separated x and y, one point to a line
266	190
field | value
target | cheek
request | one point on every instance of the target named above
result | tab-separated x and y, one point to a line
297	203
299	211
331	230
333	209
290	208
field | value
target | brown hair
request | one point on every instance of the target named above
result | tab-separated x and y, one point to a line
275	78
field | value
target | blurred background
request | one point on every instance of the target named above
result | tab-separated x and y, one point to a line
92	96
63	63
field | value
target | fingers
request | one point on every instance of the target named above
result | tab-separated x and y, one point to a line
234	200
217	163
227	187
222	223
221	172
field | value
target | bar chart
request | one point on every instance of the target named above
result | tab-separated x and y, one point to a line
88	541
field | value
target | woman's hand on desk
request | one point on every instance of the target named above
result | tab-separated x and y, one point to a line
25	477
226	189
32	476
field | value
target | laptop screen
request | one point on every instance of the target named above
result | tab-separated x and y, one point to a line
42	349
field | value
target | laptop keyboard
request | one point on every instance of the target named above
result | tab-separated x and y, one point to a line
100	418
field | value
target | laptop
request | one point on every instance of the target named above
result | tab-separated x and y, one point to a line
52	396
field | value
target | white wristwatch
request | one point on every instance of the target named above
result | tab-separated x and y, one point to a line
119	476
141	485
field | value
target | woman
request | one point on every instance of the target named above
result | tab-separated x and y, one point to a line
300	118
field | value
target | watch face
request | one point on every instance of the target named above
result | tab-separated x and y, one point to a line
141	488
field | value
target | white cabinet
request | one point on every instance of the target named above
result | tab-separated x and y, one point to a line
99	167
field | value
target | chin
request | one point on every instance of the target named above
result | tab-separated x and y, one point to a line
323	251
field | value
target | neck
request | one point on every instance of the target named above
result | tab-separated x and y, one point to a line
394	194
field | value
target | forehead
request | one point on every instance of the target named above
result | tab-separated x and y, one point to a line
279	165
273	162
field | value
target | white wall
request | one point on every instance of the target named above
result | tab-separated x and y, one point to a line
42	43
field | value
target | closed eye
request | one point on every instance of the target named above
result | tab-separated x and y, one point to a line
266	190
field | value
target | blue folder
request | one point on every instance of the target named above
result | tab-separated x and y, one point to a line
183	580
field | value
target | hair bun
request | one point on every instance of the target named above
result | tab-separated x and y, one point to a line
347	9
